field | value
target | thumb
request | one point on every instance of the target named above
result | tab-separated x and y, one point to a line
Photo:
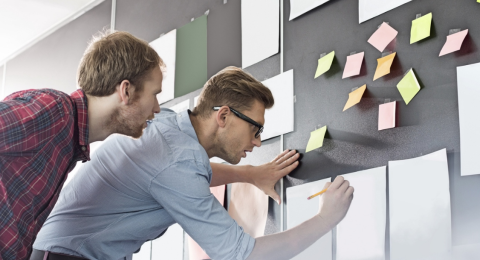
273	194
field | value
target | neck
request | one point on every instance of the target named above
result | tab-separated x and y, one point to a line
100	111
205	134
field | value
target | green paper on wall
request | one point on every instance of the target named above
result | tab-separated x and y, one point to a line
408	86
191	57
421	28
316	139
324	63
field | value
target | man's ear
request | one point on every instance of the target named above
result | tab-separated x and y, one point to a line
125	91
221	116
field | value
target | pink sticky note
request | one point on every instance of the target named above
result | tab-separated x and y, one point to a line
382	36
386	115
454	42
353	66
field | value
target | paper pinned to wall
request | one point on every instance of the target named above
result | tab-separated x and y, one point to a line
382	36
361	234
165	46
454	42
419	201
169	245
386	115
353	65
354	97
421	28
316	139
408	86
300	209
144	253
249	208
182	106
324	64
260	30
468	80
383	66
280	118
367	9
299	7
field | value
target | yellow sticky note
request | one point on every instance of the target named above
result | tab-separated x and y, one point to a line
316	139
354	97
383	66
421	28
408	86
324	64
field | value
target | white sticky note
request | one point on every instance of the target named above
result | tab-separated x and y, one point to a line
279	119
468	86
299	7
169	245
260	30
165	46
182	106
361	234
300	209
367	9
420	221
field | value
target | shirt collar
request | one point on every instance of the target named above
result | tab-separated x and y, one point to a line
185	125
82	118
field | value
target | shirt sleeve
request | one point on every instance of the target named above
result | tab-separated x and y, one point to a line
28	119
183	190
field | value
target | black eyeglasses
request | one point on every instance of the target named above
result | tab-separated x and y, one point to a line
246	118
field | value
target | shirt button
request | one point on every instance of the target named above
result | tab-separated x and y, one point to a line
84	148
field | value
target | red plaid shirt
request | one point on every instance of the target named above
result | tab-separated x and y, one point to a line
43	133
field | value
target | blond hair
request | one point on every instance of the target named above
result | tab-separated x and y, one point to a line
112	57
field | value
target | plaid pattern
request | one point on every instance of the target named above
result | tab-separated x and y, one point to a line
43	133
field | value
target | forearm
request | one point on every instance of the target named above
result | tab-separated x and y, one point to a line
290	243
225	174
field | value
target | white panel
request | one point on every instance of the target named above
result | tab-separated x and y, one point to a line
170	245
299	7
279	119
260	30
182	106
165	46
144	253
300	209
367	9
468	78
420	221
361	234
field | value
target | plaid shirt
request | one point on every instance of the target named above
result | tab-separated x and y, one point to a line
43	133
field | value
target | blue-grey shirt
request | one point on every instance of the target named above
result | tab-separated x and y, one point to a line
132	190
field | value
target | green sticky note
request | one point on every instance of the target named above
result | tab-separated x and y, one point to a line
421	28
324	64
408	86
191	57
316	139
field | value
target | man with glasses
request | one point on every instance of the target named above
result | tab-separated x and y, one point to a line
133	190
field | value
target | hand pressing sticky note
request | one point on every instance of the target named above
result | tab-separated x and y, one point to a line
386	115
421	28
316	139
454	42
382	36
353	66
354	97
408	86
324	64
383	66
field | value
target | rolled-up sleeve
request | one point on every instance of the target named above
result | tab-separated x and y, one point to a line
183	190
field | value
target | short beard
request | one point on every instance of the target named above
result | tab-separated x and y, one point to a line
121	123
222	143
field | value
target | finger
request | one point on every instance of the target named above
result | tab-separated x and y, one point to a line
288	169
285	157
327	185
274	195
289	160
349	191
337	182
280	155
343	188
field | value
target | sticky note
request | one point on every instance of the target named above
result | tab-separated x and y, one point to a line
420	28
354	97
454	42
408	86
353	66
382	36
324	64
316	139
383	66
386	115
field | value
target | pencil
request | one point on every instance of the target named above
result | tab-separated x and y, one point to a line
316	194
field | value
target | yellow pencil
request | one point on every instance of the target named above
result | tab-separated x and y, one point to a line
316	194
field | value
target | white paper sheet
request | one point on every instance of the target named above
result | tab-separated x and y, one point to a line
361	234
299	209
165	46
170	245
144	253
299	7
260	30
367	9
279	119
182	106
420	221
468	79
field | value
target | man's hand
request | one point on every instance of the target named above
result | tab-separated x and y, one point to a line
265	176
336	201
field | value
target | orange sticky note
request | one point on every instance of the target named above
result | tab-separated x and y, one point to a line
382	36
354	97
386	115
383	66
454	42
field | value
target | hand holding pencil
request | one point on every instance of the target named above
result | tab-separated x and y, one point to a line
336	199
